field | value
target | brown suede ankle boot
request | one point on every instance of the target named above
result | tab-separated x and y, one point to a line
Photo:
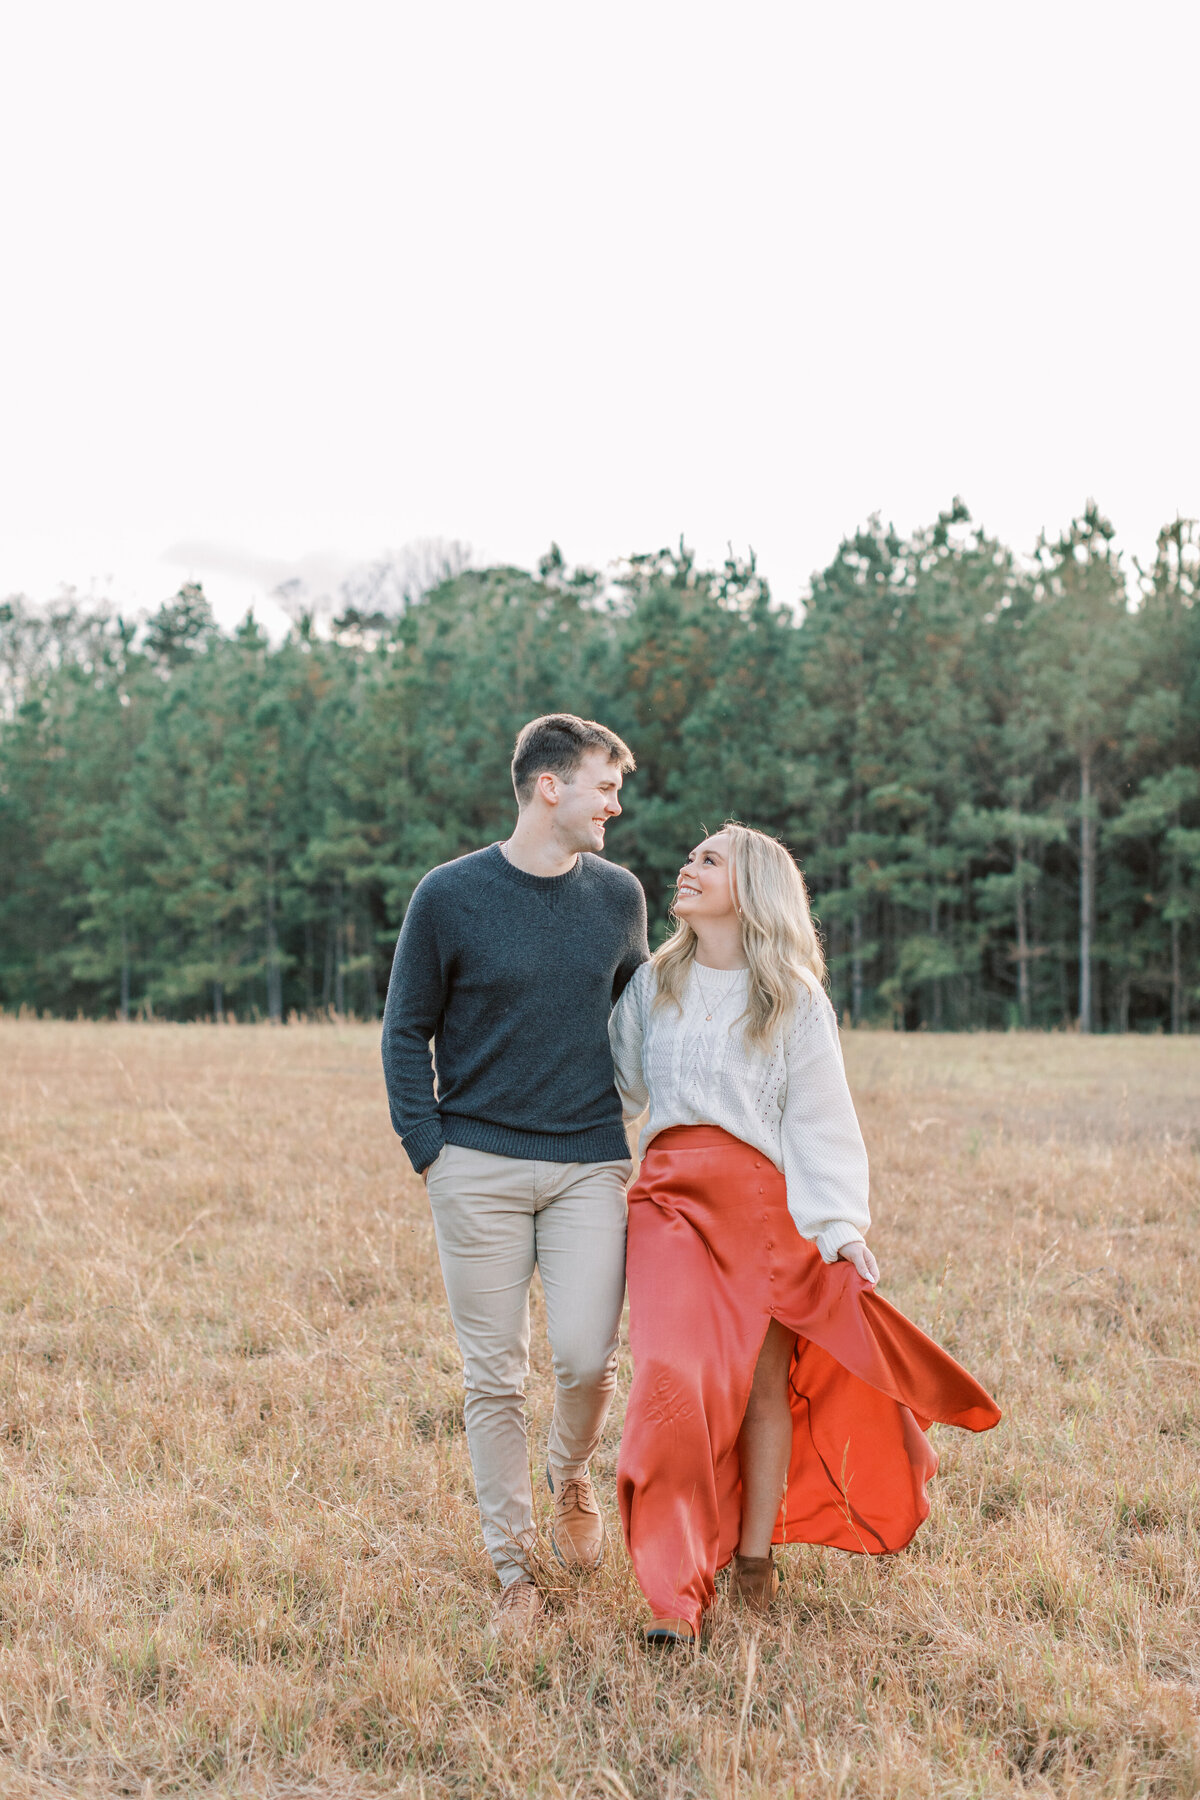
755	1581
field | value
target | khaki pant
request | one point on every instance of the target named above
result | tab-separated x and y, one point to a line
495	1218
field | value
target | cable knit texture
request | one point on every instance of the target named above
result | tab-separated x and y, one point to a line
790	1102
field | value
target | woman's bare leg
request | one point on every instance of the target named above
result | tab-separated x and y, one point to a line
765	1443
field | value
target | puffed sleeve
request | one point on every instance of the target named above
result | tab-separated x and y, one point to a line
824	1157
625	1031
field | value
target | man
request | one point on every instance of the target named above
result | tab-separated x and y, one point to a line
511	959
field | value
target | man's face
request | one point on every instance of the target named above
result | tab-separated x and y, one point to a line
587	803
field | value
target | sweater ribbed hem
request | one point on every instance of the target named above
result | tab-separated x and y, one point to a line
603	1143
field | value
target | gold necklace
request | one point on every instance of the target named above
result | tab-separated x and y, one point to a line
704	999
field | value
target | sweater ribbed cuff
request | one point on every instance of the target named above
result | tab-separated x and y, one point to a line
423	1143
831	1239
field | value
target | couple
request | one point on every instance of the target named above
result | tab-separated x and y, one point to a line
776	1398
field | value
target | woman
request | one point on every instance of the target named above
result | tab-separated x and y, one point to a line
776	1398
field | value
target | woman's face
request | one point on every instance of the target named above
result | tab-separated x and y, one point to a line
703	890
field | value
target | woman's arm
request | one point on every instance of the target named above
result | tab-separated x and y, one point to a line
625	1031
824	1157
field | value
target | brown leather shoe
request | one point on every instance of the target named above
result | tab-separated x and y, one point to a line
665	1634
577	1528
519	1607
755	1581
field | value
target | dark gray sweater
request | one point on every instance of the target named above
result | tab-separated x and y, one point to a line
513	976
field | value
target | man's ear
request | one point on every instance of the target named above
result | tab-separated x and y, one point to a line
547	787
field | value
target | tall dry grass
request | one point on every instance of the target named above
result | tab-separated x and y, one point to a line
239	1550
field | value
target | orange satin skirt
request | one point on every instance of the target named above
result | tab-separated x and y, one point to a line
714	1256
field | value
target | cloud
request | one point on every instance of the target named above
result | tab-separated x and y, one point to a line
319	573
326	582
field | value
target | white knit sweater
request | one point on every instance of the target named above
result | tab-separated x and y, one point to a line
791	1102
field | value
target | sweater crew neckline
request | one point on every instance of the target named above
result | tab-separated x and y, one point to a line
544	884
717	978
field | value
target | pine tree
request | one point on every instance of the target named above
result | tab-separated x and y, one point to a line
991	774
1082	648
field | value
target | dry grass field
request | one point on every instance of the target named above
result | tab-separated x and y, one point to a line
239	1553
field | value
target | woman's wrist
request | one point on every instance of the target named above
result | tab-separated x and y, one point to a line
832	1236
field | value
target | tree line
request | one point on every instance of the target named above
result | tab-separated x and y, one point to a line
988	766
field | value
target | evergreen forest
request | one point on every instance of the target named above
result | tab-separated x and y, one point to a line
988	766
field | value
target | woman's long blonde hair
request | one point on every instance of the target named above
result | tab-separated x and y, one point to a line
778	936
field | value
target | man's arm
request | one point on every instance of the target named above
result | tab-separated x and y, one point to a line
637	950
416	997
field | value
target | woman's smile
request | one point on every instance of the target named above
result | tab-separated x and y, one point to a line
705	876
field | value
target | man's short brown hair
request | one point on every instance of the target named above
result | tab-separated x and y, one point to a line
557	744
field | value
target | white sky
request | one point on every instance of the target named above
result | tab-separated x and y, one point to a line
286	284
